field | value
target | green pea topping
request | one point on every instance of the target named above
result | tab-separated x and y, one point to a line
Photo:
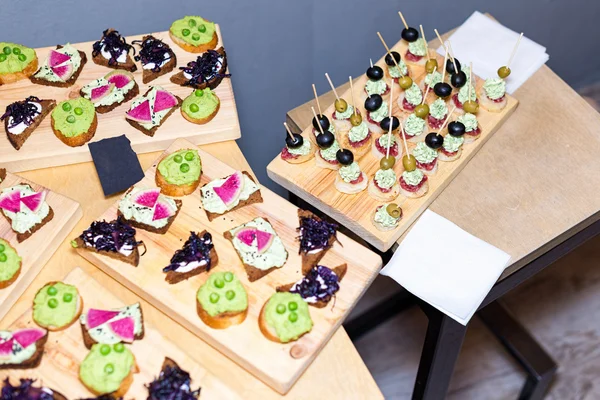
71	119
199	92
293	317
68	297
105	349
3	257
185	32
184	167
202	28
195	36
219	283
228	276
16	51
293	306
178	158
78	110
119	347
109	369
192	23
66	106
214	297
52	303
230	294
2	247
189	156
2	57
280	309
52	291
7	50
194	107
22	57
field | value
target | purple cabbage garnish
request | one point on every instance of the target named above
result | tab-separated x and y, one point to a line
25	391
153	50
173	383
110	236
21	111
320	284
112	42
315	233
205	68
196	248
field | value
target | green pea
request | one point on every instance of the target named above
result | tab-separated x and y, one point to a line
189	156
293	306
214	297
71	119
66	106
293	317
2	247
52	303
105	349
228	276
178	158
3	257
109	368
184	167
192	23
185	32
119	347
194	107
199	92
78	110
16	51
280	309
195	36
52	291
68	297
7	50
219	283
22	57
202	28
2	57
230	294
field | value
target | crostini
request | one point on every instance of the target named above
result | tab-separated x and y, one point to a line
377	109
61	68
350	179
10	264
325	157
414	128
21	118
201	106
56	306
197	255
16	62
318	286
381	144
285	317
110	91
178	174
384	185
207	71
472	128
108	369
194	34
174	381
112	51
316	237
297	149
26	390
452	148
156	57
149	112
148	209
74	121
222	301
413	184
426	158
125	324
25	209
230	193
493	95
22	348
386	217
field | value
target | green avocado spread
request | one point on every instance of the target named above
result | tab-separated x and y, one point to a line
376	87
329	154
495	88
379	114
10	262
384	218
182	167
222	292
385	178
424	154
56	305
288	314
350	173
193	30
452	143
14	57
433	78
414	126
413	95
438	109
105	367
73	117
200	104
358	133
469	121
418	47
397	73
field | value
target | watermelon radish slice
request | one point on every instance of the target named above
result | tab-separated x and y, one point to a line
27	337
56	58
147	198
101	92
263	240
231	189
119	78
123	328
141	112
64	72
164	100
34	201
97	317
6	348
246	235
162	211
11	201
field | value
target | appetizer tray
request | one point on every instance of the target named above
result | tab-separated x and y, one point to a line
43	149
37	249
278	365
64	351
316	185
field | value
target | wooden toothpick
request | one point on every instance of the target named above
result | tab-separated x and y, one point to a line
425	95
470	81
332	87
390	53
387	153
514	50
317	99
447	119
452	56
440	39
444	64
352	94
317	118
425	40
371	62
403	20
287	128
404	138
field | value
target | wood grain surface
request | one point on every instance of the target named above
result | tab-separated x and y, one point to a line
43	149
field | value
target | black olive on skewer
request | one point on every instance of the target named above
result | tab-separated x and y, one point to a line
344	157
456	128
385	124
373	102
375	73
389	61
296	142
325	139
323	120
450	65
442	89
434	140
410	34
458	80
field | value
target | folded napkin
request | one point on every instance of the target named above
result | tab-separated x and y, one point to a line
488	45
446	267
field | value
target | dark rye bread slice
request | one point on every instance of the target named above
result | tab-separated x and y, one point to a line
180	79
133	258
128	65
135	90
34	360
253	273
67	83
149	75
310	260
151	132
340	271
2	174
150	228
17	141
255	197
21	237
173	277
89	341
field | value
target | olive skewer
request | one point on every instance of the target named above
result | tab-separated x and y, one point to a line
340	104
442	89
422	110
294	140
409	34
409	162
452	65
388	162
405	81
458	78
504	72
471	106
431	64
355	118
320	119
326	138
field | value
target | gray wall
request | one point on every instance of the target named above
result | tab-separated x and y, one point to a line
277	48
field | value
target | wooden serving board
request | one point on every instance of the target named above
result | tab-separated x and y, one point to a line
316	185
43	149
65	350
271	362
39	247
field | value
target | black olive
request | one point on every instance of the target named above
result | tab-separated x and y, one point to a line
450	65
324	123
375	73
296	142
442	89
325	140
389	61
385	124
345	156
456	128
373	102
458	80
434	140
410	34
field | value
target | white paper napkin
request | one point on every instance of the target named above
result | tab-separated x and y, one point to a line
488	45
446	267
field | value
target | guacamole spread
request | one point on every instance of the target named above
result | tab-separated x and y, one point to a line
14	57
200	104
181	168
288	315
106	366
221	293
73	117
193	30
56	305
10	262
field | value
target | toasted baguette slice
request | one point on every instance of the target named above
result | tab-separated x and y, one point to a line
446	158
381	227
69	82
358	151
173	190
415	195
255	197
377	194
152	131
491	105
201	48
267	330
135	90
173	277
78	140
133	258
17	141
201	121
2	174
300	159
34	360
351	188
471	138
223	320
123	388
180	79
21	237
11	77
340	271
53	328
150	228
309	260
12	279
321	163
89	341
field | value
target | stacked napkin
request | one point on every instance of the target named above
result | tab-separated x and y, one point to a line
488	45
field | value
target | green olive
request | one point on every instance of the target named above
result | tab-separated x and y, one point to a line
68	297
184	167
52	291
119	347
341	105
280	308
199	92
405	82
178	158
293	306
214	297
195	36
219	283
230	294
431	65
228	276
52	303
71	119
471	106
503	72
387	162
66	106
194	108
2	247
185	32
105	349
16	51
202	28
422	111
2	57
109	369
393	210
7	50
189	156
3	257
192	23
293	317
355	119
409	162
22	57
